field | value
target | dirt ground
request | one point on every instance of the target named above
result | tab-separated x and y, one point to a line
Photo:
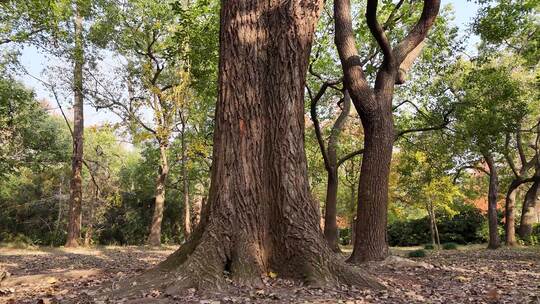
467	275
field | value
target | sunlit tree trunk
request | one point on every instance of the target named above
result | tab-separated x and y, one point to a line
185	183
75	202
260	215
154	239
510	220
493	191
530	214
374	106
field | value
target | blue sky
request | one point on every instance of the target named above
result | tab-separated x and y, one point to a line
34	61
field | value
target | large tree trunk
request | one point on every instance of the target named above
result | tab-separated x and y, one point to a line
371	239
510	214
493	242
75	202
260	216
372	212
530	214
154	239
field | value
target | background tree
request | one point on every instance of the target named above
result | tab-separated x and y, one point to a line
374	107
158	84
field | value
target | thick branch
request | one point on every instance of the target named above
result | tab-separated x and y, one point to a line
415	37
378	32
507	156
519	145
355	81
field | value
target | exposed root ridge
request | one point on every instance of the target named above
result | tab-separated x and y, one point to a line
339	273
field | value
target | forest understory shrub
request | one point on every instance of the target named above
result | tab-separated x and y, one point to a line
465	227
420	253
450	246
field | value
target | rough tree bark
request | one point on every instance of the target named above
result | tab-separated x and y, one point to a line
260	216
154	238
375	109
75	201
530	213
493	191
518	179
509	214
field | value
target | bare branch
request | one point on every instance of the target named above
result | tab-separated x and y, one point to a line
349	156
460	169
316	124
446	121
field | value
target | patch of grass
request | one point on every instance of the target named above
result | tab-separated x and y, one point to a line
429	247
450	246
420	253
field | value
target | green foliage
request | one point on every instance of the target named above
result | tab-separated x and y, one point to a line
465	227
420	253
27	134
15	240
512	24
345	236
449	246
429	247
534	238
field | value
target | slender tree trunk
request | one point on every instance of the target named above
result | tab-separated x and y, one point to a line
331	232
75	202
530	214
510	215
60	207
353	214
437	236
154	239
330	222
431	226
185	182
260	216
494	241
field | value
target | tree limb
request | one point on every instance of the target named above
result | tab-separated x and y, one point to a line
415	37
507	156
349	156
378	32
